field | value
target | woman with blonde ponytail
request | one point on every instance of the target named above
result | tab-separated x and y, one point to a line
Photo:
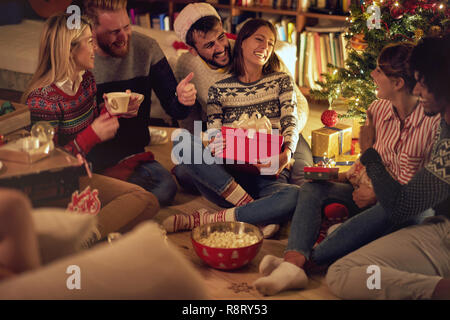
63	92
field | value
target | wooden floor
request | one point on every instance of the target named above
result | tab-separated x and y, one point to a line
238	284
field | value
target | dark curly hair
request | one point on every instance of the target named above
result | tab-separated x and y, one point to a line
431	60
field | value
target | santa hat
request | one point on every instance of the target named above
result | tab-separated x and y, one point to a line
189	15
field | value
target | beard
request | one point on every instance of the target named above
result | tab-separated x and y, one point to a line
430	113
213	63
113	50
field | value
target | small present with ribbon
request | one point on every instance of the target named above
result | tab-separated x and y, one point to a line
331	141
323	170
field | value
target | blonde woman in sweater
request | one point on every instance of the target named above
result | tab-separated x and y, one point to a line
62	92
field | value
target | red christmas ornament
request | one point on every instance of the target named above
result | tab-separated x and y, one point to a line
397	11
329	118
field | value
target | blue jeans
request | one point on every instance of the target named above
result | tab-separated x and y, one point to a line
303	158
362	228
275	201
153	177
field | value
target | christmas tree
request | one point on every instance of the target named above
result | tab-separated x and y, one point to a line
372	25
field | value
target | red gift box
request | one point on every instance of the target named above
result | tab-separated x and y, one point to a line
320	173
244	146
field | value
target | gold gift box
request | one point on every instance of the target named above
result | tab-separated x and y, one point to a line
328	141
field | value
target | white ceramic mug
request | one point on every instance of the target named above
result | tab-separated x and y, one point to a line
118	101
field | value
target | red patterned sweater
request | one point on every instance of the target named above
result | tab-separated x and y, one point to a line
71	116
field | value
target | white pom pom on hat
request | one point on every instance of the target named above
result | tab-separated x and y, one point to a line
189	15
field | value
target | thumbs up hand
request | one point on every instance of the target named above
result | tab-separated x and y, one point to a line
186	91
367	134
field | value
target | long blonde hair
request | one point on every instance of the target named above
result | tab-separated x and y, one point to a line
55	61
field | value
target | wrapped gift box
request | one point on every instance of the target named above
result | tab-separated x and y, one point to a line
346	159
244	147
355	123
15	120
249	146
331	141
320	173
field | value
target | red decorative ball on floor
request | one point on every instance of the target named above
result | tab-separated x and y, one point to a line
329	118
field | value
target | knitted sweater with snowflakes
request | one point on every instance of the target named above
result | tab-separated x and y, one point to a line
272	96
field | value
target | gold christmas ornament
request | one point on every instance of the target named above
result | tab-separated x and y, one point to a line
435	31
358	42
418	34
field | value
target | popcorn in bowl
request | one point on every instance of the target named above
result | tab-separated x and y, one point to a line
228	239
227	245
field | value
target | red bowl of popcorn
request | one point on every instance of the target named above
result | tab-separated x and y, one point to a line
227	245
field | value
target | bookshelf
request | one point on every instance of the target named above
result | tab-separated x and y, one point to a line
302	17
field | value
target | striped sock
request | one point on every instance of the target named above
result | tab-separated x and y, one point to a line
180	222
238	196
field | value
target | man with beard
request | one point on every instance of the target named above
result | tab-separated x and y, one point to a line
414	262
127	60
209	57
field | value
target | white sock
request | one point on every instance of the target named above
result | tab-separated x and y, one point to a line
333	227
268	264
286	276
269	230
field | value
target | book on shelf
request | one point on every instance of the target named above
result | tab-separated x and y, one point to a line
332	48
281	27
155	21
326	40
323	54
132	14
143	20
301	60
291	32
344	43
247	3
337	45
317	55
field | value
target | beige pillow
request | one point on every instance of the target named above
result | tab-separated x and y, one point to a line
139	265
61	233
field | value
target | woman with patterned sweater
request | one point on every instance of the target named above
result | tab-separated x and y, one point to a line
255	86
62	92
